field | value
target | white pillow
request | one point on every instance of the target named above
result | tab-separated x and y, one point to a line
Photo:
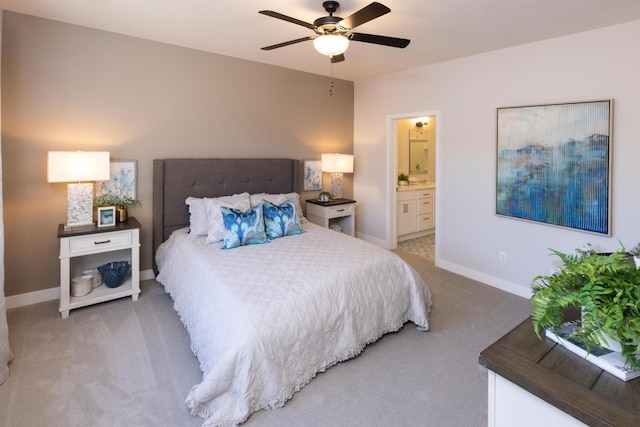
215	224
198	224
278	199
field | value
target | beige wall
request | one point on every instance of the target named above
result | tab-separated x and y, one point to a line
66	87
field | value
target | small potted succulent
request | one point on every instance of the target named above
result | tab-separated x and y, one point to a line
605	288
324	196
403	179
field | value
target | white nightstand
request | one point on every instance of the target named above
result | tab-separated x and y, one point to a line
338	212
88	248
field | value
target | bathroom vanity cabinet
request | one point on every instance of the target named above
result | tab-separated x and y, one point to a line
415	215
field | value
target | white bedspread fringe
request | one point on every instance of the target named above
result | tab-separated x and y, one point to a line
205	412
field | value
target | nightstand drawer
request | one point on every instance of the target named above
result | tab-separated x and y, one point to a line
332	211
99	242
340	210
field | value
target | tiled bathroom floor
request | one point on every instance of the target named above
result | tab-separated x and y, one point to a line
421	246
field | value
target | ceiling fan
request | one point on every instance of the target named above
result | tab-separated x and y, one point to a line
332	33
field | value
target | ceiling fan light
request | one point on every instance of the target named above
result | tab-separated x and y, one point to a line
331	44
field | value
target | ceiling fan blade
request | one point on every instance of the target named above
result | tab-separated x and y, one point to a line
277	15
383	40
275	46
366	14
337	58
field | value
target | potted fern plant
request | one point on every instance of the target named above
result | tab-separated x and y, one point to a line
605	287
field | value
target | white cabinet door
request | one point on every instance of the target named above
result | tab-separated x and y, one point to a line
407	217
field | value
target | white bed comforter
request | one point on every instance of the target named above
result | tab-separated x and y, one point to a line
264	319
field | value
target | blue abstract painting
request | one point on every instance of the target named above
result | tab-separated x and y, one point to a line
554	164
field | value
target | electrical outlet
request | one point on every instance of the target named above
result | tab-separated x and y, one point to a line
502	256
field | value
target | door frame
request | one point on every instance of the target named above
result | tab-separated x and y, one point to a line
392	172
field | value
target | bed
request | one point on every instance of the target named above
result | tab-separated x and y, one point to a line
264	319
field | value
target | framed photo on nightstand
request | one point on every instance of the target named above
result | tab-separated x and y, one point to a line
106	216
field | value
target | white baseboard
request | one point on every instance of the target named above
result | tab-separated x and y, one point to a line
378	242
36	297
147	275
512	288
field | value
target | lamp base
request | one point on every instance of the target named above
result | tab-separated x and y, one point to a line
79	227
79	206
336	185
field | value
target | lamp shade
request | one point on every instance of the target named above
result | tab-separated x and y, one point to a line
337	163
331	44
78	166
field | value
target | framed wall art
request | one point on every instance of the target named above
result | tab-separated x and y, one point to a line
554	164
312	175
122	185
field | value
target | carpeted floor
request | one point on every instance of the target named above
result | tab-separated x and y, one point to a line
126	363
423	247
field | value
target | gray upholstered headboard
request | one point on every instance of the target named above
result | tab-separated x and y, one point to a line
176	179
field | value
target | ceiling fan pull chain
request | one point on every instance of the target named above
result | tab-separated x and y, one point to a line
331	74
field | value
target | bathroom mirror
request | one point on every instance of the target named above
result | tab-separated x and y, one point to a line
418	153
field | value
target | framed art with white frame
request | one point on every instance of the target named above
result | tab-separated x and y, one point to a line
123	182
312	175
106	216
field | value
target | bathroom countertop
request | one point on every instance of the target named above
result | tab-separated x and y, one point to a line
410	187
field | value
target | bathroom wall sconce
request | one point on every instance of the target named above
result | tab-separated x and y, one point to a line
421	123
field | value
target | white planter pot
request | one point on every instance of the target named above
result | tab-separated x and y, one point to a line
610	343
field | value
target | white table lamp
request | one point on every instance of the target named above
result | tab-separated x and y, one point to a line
75	168
337	164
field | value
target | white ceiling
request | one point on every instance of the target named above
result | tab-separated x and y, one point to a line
439	30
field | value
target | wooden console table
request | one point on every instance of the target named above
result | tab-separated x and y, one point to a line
552	383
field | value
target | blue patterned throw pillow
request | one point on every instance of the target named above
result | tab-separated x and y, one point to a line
243	228
281	220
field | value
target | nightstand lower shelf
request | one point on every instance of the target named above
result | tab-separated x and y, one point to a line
101	294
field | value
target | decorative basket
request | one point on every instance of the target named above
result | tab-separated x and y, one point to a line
113	273
81	286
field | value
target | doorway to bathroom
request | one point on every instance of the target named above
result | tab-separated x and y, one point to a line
412	143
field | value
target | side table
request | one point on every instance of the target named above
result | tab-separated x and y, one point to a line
337	212
87	248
